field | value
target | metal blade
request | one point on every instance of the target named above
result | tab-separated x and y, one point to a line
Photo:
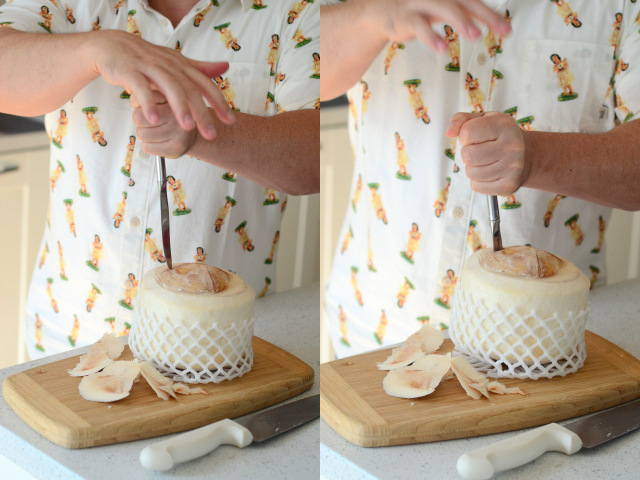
494	220
164	209
607	425
266	424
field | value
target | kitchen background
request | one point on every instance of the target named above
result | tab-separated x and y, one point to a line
336	165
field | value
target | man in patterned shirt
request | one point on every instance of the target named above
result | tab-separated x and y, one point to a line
134	81
559	90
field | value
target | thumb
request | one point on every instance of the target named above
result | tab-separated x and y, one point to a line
456	122
211	69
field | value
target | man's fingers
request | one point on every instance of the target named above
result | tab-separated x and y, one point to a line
501	187
457	121
485	173
485	15
453	14
156	97
480	154
165	116
215	99
210	69
156	134
425	33
485	128
177	88
210	91
139	86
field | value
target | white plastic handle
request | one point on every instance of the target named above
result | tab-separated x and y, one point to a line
164	455
482	463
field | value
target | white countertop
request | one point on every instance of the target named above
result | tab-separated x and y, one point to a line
289	320
615	316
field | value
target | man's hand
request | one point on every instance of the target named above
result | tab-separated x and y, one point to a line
141	67
405	20
166	136
354	32
493	149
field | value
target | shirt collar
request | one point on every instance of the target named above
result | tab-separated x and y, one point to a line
246	4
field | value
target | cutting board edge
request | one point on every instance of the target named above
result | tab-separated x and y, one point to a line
56	431
335	416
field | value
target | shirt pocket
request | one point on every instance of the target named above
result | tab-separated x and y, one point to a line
245	86
564	85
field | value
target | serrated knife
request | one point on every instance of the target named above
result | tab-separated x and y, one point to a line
587	432
164	209
241	432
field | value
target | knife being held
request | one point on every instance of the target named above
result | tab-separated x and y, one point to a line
494	220
588	432
164	208
241	432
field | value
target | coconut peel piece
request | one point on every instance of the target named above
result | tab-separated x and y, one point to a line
419	379
114	345
165	387
423	342
111	384
402	356
100	354
499	388
473	382
161	385
431	338
183	389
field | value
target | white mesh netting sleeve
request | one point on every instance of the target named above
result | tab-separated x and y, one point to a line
191	353
506	344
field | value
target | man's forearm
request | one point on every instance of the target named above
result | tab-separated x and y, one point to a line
603	168
40	72
279	152
349	45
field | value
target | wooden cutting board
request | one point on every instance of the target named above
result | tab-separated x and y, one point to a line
354	404
47	399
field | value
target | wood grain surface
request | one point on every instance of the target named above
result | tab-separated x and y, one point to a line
47	399
354	404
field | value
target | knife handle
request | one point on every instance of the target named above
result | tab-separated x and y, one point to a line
164	455
482	463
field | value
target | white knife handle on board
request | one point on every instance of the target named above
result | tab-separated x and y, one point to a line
164	455
482	463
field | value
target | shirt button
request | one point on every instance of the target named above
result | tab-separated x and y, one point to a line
127	284
134	222
164	22
481	58
144	155
458	212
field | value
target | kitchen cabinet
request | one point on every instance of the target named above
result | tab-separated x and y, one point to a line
336	164
23	199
